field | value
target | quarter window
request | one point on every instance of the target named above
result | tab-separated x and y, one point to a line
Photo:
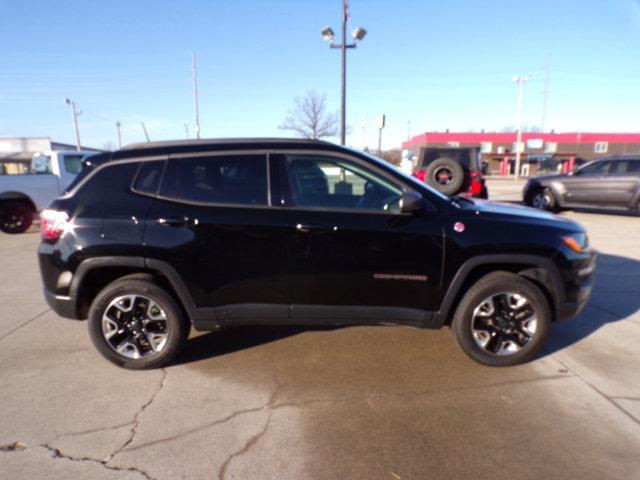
148	178
73	164
239	179
328	182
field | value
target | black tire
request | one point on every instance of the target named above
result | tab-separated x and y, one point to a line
15	217
445	175
542	199
469	311
176	326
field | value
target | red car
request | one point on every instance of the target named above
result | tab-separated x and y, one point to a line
452	171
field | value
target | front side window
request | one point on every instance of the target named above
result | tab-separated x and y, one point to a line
233	179
331	182
595	168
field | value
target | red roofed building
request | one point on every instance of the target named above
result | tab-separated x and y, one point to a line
540	151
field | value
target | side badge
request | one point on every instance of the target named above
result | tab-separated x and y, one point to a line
458	227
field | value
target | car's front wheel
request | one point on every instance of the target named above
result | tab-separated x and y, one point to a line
136	324
542	199
502	320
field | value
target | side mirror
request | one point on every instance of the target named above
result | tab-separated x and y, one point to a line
411	202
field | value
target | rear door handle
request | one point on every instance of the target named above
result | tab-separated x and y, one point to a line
177	221
307	227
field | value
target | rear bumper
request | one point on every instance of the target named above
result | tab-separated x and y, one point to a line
62	305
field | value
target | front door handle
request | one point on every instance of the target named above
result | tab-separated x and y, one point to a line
307	227
177	221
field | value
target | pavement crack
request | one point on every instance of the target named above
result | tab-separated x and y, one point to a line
12	447
208	425
247	446
609	399
93	430
24	324
136	419
57	454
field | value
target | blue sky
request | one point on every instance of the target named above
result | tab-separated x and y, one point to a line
438	65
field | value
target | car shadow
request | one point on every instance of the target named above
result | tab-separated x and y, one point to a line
235	339
615	297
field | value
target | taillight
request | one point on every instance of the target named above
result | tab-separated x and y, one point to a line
420	174
53	223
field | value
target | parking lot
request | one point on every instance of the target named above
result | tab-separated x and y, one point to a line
356	403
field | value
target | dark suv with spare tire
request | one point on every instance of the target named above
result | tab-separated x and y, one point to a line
157	238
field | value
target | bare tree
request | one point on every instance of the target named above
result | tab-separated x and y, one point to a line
310	119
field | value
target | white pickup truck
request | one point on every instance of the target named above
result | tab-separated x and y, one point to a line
23	193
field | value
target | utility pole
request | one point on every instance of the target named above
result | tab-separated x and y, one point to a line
118	125
357	35
195	95
381	123
408	130
520	81
186	130
144	129
363	126
74	114
545	94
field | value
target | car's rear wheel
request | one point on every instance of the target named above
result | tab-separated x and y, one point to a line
445	175
136	324
542	199
15	217
502	320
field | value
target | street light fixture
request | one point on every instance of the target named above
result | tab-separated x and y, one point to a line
358	34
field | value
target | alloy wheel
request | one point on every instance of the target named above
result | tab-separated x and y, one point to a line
504	323
135	326
541	201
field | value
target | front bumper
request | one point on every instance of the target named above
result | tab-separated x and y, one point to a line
62	305
579	281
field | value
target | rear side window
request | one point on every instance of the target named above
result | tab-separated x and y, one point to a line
148	178
232	179
633	166
73	164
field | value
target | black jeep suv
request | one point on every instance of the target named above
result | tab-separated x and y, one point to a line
155	238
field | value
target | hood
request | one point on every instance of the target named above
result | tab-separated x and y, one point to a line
520	213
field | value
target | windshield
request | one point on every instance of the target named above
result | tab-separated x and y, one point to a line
409	178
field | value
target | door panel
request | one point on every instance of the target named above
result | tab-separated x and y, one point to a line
588	186
365	259
226	254
351	247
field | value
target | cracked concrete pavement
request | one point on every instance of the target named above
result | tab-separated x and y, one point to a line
292	403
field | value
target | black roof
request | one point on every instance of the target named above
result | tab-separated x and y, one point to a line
186	146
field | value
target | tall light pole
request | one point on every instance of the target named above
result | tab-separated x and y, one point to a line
74	114
118	125
520	81
545	93
195	95
357	35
